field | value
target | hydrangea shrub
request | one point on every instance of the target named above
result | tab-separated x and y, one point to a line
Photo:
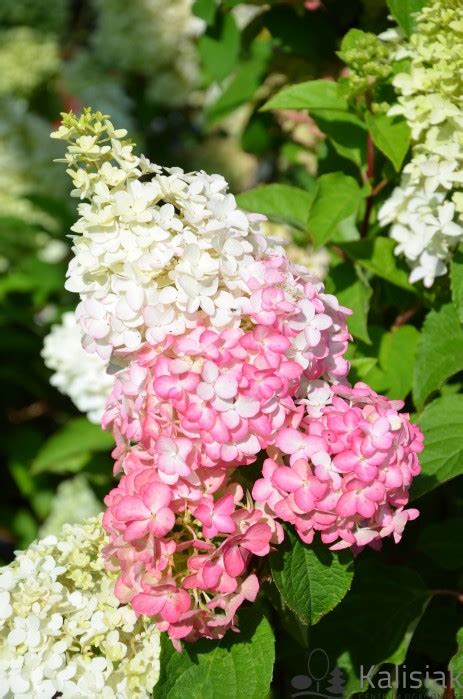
277	372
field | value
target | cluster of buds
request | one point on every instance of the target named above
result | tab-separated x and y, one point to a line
225	352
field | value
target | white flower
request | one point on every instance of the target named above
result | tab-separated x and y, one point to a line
426	210
153	257
62	630
428	268
78	374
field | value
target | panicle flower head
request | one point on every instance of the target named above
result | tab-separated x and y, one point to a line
62	630
225	349
426	210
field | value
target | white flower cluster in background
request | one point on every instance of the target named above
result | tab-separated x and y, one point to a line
153	38
77	374
26	59
63	632
152	254
73	502
426	211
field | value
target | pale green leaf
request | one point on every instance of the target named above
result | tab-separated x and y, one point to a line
279	202
314	94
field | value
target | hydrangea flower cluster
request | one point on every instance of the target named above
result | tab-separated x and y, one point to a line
426	210
62	630
154	39
346	473
226	351
77	374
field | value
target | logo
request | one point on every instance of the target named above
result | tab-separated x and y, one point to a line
321	679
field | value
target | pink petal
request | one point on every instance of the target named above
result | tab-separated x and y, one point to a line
226	387
286	479
150	605
156	496
131	508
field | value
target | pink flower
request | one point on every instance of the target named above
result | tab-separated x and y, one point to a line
215	516
167	601
148	513
236	549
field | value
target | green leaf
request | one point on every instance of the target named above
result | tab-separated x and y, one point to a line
403	11
205	9
354	292
346	132
243	84
377	618
397	360
337	197
456	666
219	48
439	352
279	202
314	94
442	459
312	580
456	281
391	136
70	449
443	543
239	665
377	255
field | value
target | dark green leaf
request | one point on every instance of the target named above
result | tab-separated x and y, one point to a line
70	449
439	352
337	197
403	11
239	665
443	542
346	132
377	255
391	136
442	458
279	202
376	619
312	580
